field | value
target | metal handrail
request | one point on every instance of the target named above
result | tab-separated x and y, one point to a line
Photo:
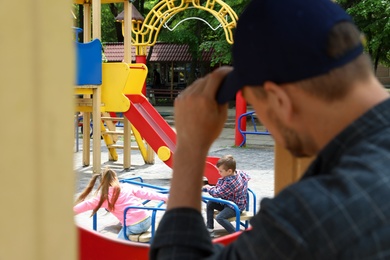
244	133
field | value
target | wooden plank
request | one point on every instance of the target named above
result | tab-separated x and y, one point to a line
82	102
118	146
108	132
113	118
110	125
115	146
245	215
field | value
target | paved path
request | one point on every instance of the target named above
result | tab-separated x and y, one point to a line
257	159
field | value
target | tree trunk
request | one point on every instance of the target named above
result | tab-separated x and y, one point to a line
118	26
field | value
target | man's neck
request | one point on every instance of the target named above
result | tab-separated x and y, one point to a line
324	120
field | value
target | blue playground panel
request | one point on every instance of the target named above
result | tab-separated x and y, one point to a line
88	62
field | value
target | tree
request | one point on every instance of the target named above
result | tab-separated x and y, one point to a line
200	36
222	49
195	33
373	18
115	10
111	29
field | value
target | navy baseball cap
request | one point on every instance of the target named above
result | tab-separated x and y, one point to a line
283	41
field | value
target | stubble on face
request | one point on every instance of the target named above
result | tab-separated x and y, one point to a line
288	136
291	139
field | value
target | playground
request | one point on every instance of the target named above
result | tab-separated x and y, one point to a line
257	158
142	147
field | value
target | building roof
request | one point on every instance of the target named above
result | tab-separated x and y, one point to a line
135	15
162	52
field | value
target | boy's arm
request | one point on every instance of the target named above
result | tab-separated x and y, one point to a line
221	191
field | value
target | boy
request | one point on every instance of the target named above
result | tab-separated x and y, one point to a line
232	186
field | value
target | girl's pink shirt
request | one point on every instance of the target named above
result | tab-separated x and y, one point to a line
129	196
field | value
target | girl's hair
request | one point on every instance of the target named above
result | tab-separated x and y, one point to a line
107	179
228	162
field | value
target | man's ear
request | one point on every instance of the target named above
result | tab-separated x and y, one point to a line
279	101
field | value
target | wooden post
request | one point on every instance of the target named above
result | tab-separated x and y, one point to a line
87	23
127	36
96	19
37	75
172	74
127	59
96	118
288	169
96	97
86	115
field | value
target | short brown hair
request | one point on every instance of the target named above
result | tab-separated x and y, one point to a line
336	84
227	162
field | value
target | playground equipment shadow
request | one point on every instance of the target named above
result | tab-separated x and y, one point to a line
257	158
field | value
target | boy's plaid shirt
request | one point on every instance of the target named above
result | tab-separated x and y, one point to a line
233	188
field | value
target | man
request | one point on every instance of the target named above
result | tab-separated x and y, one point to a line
300	64
156	79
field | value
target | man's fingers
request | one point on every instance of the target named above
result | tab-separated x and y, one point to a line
208	85
215	80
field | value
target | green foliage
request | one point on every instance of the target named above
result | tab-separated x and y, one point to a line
108	27
198	35
108	21
109	33
373	18
222	51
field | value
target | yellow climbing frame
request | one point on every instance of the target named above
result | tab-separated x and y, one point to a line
145	33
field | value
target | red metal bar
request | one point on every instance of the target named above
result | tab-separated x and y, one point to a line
240	109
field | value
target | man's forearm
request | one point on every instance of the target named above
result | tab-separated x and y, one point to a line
187	180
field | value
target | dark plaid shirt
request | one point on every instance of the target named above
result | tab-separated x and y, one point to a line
233	188
340	209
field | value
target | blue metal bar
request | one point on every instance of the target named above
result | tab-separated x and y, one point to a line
145	208
154	219
94	222
142	184
236	209
227	202
132	178
244	133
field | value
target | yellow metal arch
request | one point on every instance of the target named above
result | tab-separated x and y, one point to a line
145	33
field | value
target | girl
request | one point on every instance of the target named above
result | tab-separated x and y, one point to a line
115	198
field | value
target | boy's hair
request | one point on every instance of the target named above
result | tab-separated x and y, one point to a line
227	162
107	179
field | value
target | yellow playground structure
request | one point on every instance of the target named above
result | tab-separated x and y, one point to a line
121	82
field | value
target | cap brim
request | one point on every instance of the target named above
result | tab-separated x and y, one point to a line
229	87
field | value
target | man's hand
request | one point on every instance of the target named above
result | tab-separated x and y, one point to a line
199	120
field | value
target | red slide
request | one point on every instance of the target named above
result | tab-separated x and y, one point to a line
159	134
